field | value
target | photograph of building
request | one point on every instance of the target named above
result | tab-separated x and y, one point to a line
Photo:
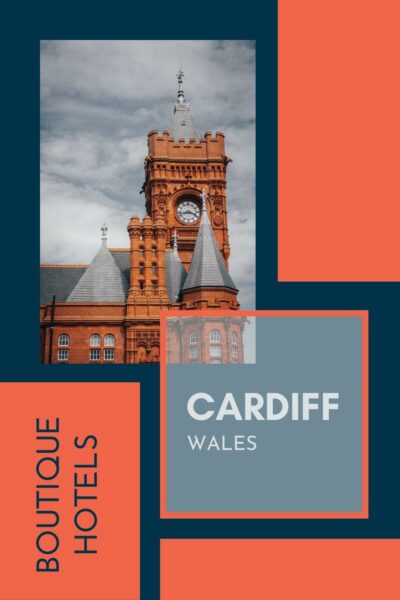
176	256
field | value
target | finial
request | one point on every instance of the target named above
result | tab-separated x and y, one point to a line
104	230
175	242
203	199
180	76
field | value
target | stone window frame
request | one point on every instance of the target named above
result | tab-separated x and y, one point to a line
109	340
216	350
109	354
193	352
193	337
95	354
62	355
215	336
92	342
63	340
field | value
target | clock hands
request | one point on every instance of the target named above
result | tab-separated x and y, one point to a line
188	211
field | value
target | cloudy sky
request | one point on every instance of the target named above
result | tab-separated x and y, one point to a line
99	99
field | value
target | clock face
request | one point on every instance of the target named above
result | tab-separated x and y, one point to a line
188	211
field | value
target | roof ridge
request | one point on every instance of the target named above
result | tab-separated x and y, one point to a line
63	266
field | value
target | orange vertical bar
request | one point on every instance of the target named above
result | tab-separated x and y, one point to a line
338	138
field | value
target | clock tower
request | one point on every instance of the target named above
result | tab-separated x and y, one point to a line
179	164
109	311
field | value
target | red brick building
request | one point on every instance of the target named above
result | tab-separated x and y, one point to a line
108	311
205	340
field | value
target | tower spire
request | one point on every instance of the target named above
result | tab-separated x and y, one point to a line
183	125
104	230
175	244
203	200
180	75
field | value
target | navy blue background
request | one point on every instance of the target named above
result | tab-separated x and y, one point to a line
19	348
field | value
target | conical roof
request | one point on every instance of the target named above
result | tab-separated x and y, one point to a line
175	275
175	272
207	268
102	281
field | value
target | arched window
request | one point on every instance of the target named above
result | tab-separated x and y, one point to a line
63	340
141	269
154	269
235	352
141	354
109	340
95	340
215	335
234	338
155	354
193	337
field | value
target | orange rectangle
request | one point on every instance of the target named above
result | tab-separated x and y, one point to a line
280	569
70	499
338	132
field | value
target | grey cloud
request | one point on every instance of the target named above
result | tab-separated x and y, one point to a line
99	99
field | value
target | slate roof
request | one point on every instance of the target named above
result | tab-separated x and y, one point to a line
207	268
106	279
61	280
182	125
103	281
122	260
58	282
175	275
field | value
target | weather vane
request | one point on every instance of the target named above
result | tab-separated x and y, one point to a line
104	230
180	77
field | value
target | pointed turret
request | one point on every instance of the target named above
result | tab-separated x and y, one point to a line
207	268
102	281
208	284
175	272
182	125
